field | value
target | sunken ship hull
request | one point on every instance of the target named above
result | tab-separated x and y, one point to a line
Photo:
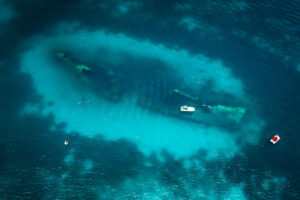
109	84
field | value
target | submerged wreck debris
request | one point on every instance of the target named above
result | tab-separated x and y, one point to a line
227	109
212	108
103	81
219	115
111	84
79	67
185	95
84	101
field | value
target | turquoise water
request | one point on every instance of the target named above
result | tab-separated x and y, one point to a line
126	136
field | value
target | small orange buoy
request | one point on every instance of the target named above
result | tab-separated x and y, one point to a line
66	142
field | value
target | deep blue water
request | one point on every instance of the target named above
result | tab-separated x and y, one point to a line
129	140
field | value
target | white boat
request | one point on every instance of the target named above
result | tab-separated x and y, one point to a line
275	139
186	108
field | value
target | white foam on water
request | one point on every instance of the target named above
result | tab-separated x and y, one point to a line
151	132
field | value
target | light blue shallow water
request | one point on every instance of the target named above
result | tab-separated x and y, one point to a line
126	136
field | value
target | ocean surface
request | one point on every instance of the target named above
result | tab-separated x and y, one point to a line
90	97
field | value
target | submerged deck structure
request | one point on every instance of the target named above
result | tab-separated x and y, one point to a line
103	81
79	67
